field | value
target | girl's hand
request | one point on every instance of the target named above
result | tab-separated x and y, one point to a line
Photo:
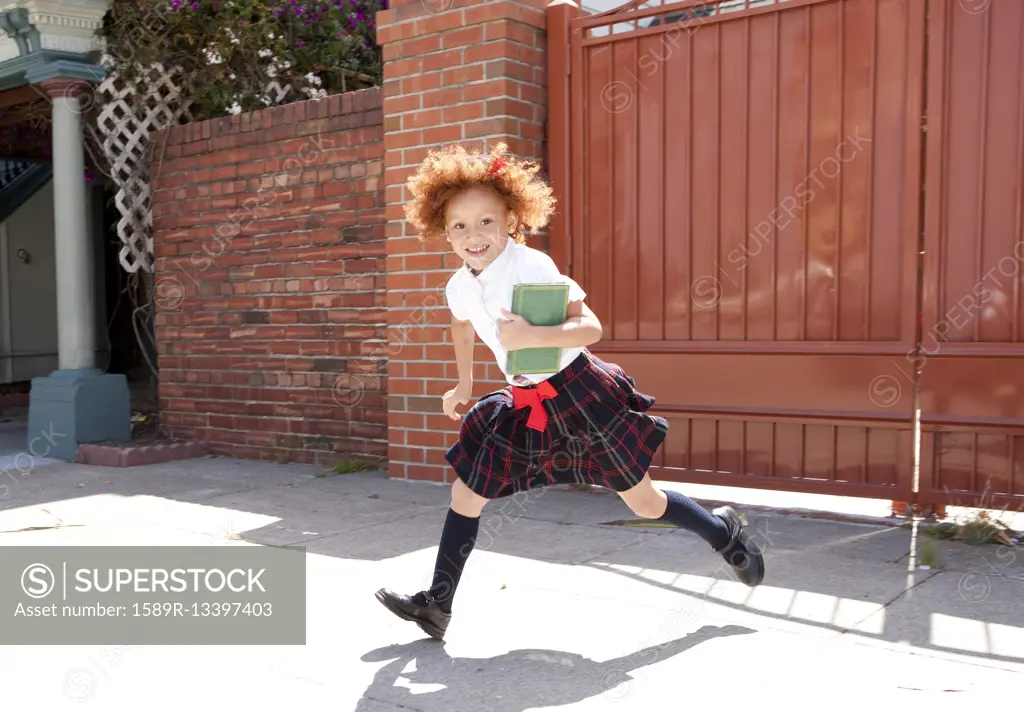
514	332
457	396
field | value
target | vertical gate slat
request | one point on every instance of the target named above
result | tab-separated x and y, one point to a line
776	92
869	210
838	268
745	307
1019	231
979	230
808	139
734	184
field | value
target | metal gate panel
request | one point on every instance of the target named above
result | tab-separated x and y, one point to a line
744	213
970	356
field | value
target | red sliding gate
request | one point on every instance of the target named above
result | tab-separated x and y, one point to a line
743	194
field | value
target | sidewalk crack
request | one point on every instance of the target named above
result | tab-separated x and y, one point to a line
396	705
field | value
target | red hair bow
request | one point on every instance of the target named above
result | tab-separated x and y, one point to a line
498	164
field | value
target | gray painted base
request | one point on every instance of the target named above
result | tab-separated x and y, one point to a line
68	408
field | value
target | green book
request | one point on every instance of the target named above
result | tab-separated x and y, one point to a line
541	304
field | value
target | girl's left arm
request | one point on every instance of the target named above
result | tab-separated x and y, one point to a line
581	329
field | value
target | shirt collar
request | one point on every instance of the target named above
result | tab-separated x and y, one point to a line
491	271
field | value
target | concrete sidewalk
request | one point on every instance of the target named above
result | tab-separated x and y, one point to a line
557	609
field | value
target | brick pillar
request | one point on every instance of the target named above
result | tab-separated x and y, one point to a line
456	71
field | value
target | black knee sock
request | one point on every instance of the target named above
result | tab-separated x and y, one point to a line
457	541
687	514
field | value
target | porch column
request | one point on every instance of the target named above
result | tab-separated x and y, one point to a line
78	403
75	298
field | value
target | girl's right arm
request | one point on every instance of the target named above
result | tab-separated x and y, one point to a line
464	340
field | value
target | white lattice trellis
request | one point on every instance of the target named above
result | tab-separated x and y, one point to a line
125	123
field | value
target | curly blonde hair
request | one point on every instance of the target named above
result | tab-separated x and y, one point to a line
447	172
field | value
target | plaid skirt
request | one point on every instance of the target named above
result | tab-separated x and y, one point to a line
585	425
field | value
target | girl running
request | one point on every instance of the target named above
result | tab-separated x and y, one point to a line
529	433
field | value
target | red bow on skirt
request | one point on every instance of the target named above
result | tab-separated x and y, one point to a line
531	398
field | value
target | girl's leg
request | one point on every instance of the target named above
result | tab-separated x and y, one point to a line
432	609
457	541
722	528
649	502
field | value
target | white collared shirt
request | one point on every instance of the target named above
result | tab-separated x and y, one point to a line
480	299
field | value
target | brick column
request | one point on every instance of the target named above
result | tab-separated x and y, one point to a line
457	71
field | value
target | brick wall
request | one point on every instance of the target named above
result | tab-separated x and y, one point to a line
270	278
467	72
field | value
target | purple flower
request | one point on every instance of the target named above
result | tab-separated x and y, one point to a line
195	6
176	4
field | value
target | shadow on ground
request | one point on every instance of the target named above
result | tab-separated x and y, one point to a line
497	684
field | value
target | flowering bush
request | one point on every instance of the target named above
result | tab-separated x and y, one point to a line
233	51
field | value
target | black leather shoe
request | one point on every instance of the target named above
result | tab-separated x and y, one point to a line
430	618
741	552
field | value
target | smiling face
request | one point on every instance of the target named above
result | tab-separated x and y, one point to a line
478	226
